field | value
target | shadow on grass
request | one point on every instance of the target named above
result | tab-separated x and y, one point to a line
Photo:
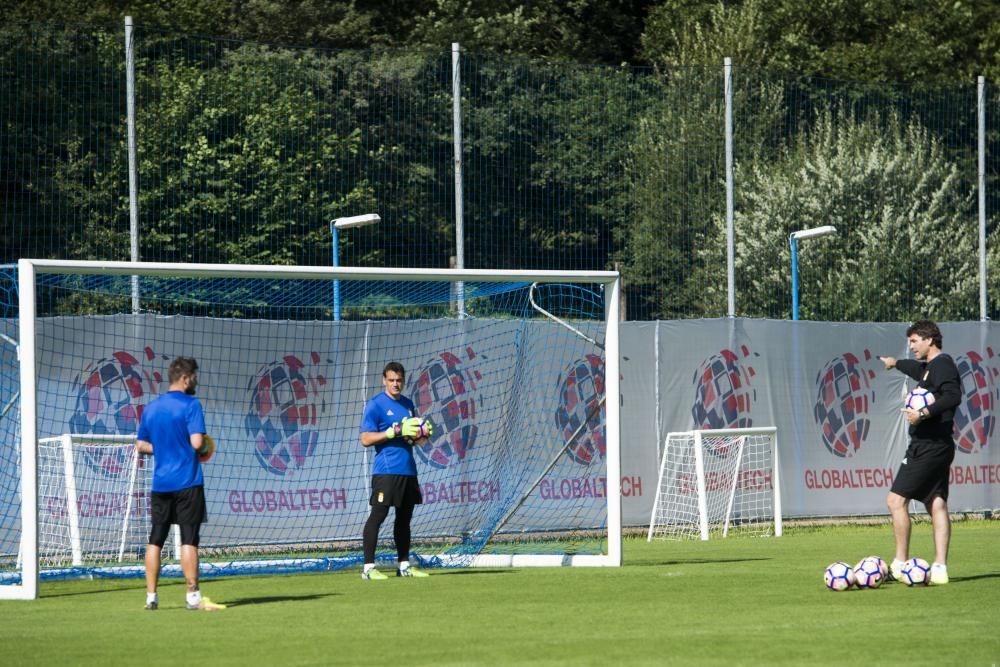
267	599
471	570
962	580
698	561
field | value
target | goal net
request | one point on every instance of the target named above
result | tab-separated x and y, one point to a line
512	368
718	483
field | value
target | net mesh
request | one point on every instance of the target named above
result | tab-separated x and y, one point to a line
737	476
516	400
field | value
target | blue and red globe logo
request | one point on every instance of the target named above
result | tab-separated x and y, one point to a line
844	398
111	394
444	391
581	415
286	404
723	391
975	416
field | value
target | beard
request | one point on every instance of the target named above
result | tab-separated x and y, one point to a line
190	391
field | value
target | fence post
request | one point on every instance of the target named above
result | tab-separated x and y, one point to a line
133	177
984	312
456	105
730	216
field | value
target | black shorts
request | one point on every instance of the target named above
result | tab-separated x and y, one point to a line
395	490
923	475
185	507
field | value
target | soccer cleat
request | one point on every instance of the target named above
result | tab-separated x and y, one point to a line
152	605
411	572
939	574
206	605
372	574
896	570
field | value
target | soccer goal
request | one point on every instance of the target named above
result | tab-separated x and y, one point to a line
718	482
518	371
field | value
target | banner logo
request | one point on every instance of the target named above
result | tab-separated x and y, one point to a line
975	417
286	403
844	397
111	394
723	395
445	392
580	411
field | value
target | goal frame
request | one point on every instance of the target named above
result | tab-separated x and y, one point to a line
698	435
29	269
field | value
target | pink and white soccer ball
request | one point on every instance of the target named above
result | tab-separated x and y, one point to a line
919	398
882	565
868	574
839	576
915	572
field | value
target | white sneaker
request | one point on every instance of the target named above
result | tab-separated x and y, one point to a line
206	605
939	574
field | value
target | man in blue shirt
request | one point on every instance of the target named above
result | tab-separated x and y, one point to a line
172	429
390	425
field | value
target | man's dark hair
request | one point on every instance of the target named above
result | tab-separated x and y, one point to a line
926	329
395	367
181	366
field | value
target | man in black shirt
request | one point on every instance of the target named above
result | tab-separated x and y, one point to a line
923	474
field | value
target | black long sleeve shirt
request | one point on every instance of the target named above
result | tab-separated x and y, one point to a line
940	376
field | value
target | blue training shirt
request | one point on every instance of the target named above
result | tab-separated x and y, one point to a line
393	457
168	423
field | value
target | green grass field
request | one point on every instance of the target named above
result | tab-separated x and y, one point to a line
745	601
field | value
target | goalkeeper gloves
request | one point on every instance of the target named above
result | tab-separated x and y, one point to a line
418	427
393	431
411	427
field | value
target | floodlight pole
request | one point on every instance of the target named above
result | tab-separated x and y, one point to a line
793	239
338	224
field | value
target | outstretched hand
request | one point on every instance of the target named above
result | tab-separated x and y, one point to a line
890	362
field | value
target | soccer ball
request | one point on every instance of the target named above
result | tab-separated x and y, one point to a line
883	567
426	430
839	576
916	572
919	398
868	574
207	449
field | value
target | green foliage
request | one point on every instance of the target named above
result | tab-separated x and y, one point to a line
906	243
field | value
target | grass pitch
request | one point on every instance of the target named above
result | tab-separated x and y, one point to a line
726	602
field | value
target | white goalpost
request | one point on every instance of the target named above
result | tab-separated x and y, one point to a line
718	482
522	384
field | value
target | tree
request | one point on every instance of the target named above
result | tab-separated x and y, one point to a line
906	242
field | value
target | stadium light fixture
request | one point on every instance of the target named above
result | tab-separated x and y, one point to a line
335	226
793	238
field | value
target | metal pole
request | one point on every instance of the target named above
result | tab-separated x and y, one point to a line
981	185
795	280
335	262
730	207
133	175
456	104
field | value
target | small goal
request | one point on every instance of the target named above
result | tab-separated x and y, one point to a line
721	482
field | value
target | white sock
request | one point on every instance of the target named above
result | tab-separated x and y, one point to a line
898	563
369	567
151	597
194	598
403	564
936	564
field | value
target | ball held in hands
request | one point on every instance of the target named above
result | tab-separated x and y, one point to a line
207	448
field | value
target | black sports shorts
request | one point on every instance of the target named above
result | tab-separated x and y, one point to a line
395	490
185	507
923	475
